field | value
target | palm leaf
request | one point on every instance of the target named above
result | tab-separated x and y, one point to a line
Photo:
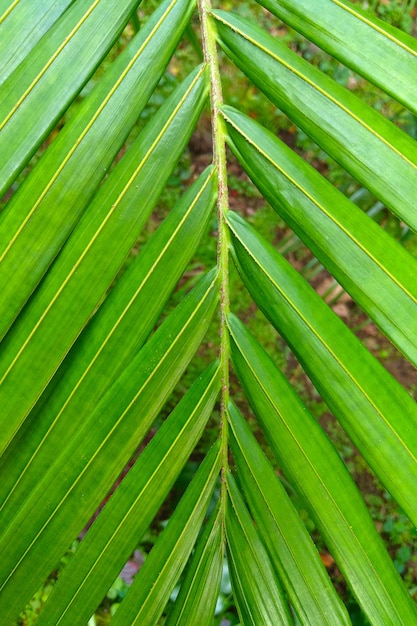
124	321
94	349
196	601
33	97
259	595
336	119
102	554
382	54
84	462
155	582
296	562
349	245
304	454
70	171
87	260
26	23
359	384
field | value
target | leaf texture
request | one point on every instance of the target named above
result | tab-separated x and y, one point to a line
372	266
83	469
291	550
130	510
155	582
357	385
107	345
384	55
105	413
196	600
26	23
316	471
86	264
32	231
370	147
258	593
32	98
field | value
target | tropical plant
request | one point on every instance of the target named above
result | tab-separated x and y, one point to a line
90	352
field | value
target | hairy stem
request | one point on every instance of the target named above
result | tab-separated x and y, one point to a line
219	154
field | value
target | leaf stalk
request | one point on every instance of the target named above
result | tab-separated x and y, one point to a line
219	156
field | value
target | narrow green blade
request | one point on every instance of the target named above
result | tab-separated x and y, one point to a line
349	378
33	98
292	552
6	7
384	55
23	25
82	475
32	230
379	274
155	581
315	470
130	510
257	590
93	255
106	346
196	601
369	146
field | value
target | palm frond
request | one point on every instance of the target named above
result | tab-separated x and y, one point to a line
94	344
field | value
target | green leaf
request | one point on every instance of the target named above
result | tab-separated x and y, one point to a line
130	510
317	472
292	552
156	579
349	378
24	24
374	268
33	98
93	255
382	54
94	348
32	230
370	147
91	461
257	590
197	597
106	346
